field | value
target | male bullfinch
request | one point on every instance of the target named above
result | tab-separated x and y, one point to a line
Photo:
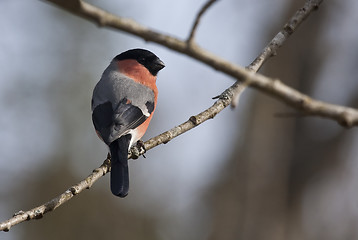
123	104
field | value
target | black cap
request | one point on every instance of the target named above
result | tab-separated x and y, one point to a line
144	57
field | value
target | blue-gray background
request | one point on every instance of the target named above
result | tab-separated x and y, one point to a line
296	178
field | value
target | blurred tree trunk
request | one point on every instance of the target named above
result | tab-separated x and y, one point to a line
259	195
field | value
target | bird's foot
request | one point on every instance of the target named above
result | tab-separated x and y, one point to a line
141	146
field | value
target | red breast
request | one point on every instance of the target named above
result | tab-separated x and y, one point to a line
140	74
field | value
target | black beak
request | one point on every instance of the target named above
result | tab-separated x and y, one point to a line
160	64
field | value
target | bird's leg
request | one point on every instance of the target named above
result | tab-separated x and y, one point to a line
140	145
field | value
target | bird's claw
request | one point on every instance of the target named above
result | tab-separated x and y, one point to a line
140	145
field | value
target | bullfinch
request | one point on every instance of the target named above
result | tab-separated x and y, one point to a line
123	104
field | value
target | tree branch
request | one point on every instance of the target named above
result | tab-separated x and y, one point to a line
38	212
197	20
345	116
292	24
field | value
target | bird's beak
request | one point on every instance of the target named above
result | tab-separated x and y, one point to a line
160	64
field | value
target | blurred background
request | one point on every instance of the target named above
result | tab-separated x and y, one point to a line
247	174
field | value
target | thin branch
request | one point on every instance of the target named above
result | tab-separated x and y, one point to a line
38	212
294	22
224	100
346	116
279	39
197	20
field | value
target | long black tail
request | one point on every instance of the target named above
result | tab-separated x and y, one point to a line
119	166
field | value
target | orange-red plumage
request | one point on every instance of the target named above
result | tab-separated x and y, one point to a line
139	73
136	71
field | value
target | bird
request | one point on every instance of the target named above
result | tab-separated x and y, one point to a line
123	103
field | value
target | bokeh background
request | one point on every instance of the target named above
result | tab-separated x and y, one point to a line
248	174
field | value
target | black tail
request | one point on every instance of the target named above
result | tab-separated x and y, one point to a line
119	166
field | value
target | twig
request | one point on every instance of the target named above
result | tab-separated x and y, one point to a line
197	20
270	49
38	212
224	100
